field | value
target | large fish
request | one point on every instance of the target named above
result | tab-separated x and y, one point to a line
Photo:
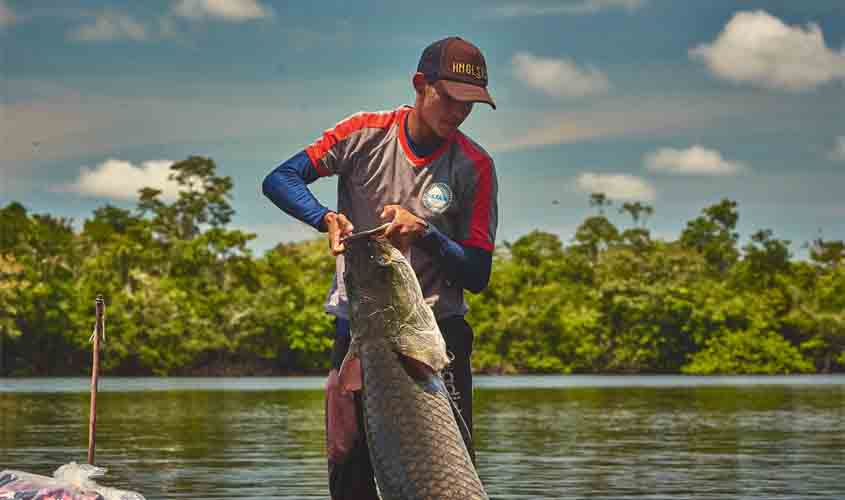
416	444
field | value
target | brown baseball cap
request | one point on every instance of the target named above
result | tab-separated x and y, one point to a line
460	68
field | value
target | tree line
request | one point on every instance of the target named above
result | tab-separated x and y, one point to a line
185	295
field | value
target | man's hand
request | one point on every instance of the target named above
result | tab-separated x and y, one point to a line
406	227
338	226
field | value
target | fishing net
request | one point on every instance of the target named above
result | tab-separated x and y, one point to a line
69	482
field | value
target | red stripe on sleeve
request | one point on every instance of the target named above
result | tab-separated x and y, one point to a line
479	227
315	161
341	131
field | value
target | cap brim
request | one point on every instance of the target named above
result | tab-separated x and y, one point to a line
467	92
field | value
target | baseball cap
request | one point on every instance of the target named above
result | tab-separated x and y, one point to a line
460	68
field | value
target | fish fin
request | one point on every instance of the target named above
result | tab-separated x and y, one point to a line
349	376
341	420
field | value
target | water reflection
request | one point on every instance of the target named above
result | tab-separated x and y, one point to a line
709	442
585	441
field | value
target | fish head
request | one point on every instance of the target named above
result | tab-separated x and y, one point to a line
375	274
386	302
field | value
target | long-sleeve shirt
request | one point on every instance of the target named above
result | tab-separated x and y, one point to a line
464	264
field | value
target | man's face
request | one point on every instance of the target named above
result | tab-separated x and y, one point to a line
440	112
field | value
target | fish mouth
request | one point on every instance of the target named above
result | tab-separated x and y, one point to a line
372	247
368	261
368	233
379	248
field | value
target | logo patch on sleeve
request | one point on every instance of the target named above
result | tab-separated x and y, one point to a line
437	197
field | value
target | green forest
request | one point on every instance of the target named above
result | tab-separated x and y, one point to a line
185	295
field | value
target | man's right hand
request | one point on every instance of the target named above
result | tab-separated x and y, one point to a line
338	226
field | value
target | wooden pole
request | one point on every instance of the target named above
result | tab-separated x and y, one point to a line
95	373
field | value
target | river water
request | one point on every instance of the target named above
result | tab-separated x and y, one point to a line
540	438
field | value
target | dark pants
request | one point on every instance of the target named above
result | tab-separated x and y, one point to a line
352	477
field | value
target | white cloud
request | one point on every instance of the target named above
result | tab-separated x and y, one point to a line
119	179
696	160
7	15
110	26
558	77
838	153
525	9
227	10
616	186
759	49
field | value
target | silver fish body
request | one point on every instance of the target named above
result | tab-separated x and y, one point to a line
415	443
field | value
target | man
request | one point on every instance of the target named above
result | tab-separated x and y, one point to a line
411	167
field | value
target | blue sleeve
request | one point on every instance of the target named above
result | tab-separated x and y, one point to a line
467	266
286	186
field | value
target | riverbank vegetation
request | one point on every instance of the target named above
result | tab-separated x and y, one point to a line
185	295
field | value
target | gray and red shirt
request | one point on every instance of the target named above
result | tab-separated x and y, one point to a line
454	188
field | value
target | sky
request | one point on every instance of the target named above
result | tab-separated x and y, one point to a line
674	103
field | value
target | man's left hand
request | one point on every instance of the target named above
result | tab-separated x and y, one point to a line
406	227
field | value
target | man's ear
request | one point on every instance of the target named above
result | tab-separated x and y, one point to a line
419	83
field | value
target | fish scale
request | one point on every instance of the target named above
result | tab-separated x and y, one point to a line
415	444
416	448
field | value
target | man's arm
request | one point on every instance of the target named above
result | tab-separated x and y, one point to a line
286	186
465	265
470	266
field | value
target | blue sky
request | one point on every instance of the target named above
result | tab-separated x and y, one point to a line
674	103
